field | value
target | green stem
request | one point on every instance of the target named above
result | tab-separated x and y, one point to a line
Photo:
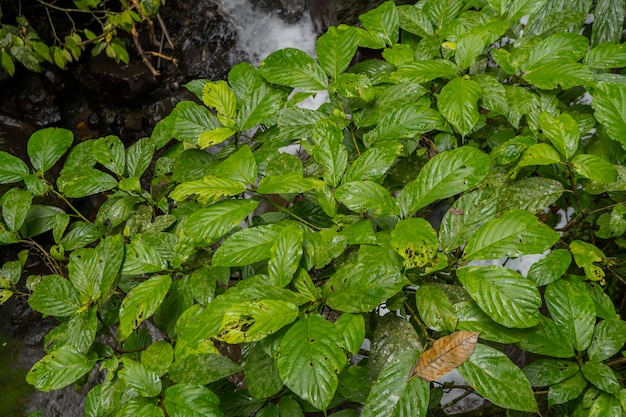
66	201
295	216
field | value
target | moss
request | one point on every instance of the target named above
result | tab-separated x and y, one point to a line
14	391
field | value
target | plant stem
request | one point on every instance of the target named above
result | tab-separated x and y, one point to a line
66	201
295	216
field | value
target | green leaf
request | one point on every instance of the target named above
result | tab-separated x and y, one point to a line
606	55
425	70
259	106
251	321
572	309
539	154
372	163
494	95
202	369
532	194
547	339
247	246
562	131
190	120
609	337
458	103
261	373
336	48
109	151
329	151
567	390
207	190
514	234
136	376
392	336
59	369
465	216
445	175
435	308
594	168
608	21
354	385
214	136
141	303
561	72
497	379
472	319
404	122
550	268
15	205
291	182
416	241
384	21
138	157
351	327
285	256
363	196
414	20
560	46
468	47
189	400
12	169
26	57
81	234
309	359
240	166
293	68
83	182
6	61
54	296
441	12
602	377
206	225
158	357
505	295
394	394
609	104
546	372
149	252
585	255
47	146
219	96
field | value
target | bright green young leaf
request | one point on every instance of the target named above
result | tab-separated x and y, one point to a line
15	205
384	21
567	390
414	20
285	256
606	55
335	49
138	157
547	339
468	48
261	373
293	68
214	136
595	168
109	151
363	196
309	359
259	106
561	131
291	182
83	182
12	169
189	400
351	327
445	175
416	241
539	154
546	372
46	146
405	122
240	166
458	103
496	378
147	383
399	54
441	12
373	163
329	151
207	190
54	296
247	246
514	234
609	104
572	309
425	70
585	255
189	120
158	357
550	268
59	369
208	224
219	96
255	320
561	72
608	21
609	337
394	394
602	376
435	308
532	194
141	303
561	45
472	319
505	295
202	369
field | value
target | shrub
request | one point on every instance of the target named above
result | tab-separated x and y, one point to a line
228	277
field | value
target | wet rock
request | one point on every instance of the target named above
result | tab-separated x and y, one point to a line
290	11
327	13
133	121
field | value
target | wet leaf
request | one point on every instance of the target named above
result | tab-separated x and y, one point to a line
446	354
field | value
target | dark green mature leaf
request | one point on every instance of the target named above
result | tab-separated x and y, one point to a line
550	268
608	21
458	103
251	321
435	308
189	400
46	146
572	309
562	45
15	205
394	394
384	21
441	12
335	49
602	376
496	378
137	376
12	169
514	234
58	369
109	151
259	106
532	194
468	47
562	131
606	55
404	122
83	182
505	295
138	156
515	9
567	390
425	70
392	336
445	175
202	369
561	72
149	252
291	182
363	196
285	255
329	151
351	327
609	103
55	296
545	372
547	339
595	168
158	357
309	359
261	373
247	246
206	225
414	20
293	68
141	303
609	337
373	163
472	319
240	166
494	95
190	120
81	234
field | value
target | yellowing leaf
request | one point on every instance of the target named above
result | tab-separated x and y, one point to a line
446	354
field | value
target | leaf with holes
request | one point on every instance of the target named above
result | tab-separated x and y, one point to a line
141	303
59	368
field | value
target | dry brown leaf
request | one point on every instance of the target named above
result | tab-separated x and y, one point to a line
447	353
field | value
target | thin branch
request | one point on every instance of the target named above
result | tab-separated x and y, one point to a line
67	10
165	32
143	55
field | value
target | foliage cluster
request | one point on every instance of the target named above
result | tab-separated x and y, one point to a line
101	32
223	276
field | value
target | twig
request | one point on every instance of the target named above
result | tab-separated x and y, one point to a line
166	57
143	55
165	32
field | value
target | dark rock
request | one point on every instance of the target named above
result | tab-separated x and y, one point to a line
327	13
290	11
133	121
